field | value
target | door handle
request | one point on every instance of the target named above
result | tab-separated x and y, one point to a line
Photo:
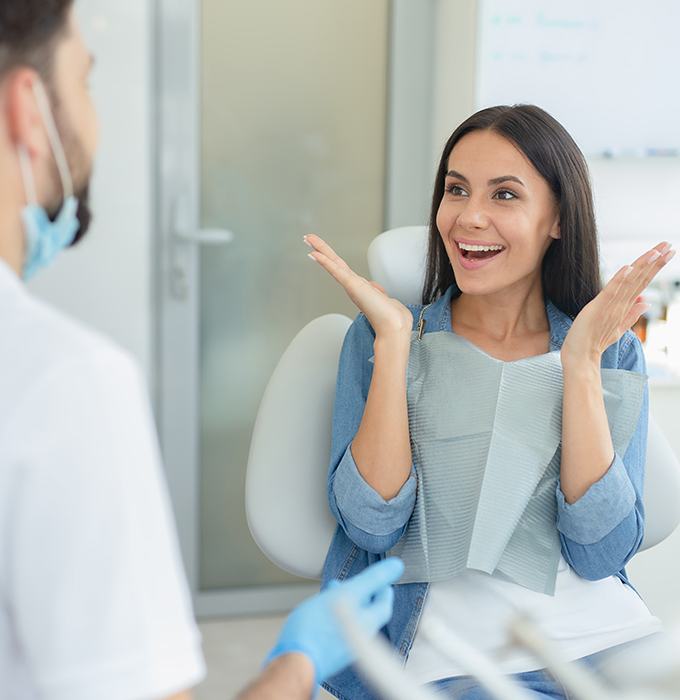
184	233
206	236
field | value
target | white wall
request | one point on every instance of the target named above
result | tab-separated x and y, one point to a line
455	45
637	206
106	280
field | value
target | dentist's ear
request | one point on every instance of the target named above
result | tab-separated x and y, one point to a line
24	121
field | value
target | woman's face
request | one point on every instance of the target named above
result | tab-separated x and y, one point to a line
493	196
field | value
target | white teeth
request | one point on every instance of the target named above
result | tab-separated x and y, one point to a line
466	246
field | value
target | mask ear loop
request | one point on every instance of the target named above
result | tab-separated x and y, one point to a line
27	174
53	138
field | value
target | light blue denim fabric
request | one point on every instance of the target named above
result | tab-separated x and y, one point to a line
599	533
539	684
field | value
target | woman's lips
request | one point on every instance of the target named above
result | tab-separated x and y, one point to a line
474	263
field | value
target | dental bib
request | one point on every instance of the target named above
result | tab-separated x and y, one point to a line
485	439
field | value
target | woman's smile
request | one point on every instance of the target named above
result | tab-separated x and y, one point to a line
473	255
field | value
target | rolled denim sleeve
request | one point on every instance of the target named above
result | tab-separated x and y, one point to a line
601	508
604	528
370	521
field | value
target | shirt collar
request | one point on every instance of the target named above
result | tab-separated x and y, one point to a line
560	323
439	316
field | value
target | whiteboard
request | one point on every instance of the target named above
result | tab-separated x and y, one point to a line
608	74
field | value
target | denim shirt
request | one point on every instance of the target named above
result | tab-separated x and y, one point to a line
599	532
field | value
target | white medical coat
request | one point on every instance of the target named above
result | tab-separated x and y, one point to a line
93	598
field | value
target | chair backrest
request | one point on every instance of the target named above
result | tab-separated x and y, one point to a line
662	487
286	496
286	499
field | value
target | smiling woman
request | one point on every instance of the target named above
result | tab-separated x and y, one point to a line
513	270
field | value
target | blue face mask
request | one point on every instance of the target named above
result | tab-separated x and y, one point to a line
45	238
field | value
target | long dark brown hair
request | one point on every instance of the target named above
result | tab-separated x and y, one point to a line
570	270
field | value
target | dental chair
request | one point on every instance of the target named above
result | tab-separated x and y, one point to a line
286	494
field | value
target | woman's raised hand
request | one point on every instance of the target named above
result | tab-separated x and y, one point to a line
387	316
615	309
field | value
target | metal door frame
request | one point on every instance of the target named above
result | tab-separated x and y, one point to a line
177	150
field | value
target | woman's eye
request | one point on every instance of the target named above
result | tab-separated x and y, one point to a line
456	190
505	195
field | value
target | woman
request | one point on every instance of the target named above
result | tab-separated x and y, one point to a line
513	269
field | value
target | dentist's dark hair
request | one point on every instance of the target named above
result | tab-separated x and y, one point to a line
29	32
570	268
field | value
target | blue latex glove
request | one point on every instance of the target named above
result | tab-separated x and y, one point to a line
313	629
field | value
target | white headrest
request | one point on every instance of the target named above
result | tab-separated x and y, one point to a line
396	260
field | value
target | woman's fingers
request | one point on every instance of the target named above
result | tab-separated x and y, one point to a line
358	289
653	270
648	261
659	247
652	263
622	305
317	243
387	316
634	314
637	271
625	306
330	260
342	273
629	282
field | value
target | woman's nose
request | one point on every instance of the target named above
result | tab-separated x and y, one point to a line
473	216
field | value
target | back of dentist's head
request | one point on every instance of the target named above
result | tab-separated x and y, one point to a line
29	30
48	132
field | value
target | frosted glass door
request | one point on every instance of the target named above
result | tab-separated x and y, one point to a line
293	131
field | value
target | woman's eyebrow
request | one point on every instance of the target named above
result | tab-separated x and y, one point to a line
456	174
505	178
493	181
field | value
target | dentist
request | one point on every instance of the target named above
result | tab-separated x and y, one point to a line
93	599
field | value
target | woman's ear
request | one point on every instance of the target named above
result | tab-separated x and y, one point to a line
555	231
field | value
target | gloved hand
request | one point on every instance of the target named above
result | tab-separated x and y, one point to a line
313	629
